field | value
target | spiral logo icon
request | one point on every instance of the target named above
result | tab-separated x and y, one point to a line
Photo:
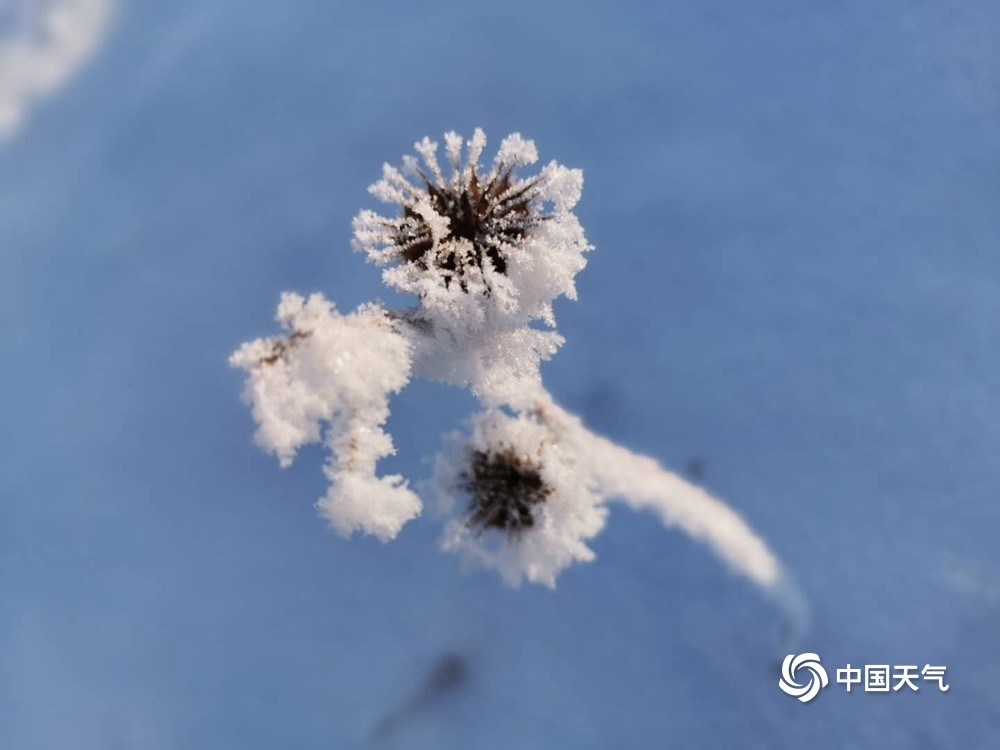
810	668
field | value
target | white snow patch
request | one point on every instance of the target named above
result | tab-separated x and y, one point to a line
57	40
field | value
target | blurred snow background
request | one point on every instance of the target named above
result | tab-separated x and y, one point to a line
795	293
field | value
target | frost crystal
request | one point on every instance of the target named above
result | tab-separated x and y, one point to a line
485	252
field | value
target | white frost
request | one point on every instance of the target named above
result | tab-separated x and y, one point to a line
336	371
642	483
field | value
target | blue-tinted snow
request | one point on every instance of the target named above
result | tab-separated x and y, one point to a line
796	282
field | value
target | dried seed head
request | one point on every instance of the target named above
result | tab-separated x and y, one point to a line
505	489
459	227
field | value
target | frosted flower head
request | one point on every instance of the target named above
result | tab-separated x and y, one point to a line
477	244
531	506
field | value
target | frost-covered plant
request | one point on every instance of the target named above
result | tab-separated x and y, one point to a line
485	251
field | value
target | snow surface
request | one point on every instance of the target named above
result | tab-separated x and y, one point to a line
795	293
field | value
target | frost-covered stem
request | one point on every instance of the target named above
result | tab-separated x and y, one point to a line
641	483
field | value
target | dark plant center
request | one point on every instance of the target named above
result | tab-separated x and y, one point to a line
505	489
491	218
